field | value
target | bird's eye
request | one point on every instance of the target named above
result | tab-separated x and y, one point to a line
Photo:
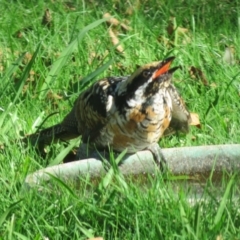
146	74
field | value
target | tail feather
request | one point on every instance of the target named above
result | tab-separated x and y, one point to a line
52	134
66	130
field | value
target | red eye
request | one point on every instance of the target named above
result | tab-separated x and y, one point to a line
146	74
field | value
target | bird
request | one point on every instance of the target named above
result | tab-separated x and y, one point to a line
181	117
124	113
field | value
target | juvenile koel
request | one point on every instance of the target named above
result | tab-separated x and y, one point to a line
130	112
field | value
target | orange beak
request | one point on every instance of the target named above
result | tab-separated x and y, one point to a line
164	67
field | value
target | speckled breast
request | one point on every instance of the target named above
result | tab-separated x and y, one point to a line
138	127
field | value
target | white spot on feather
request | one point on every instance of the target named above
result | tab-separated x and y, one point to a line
110	102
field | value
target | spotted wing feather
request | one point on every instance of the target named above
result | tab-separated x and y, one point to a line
181	117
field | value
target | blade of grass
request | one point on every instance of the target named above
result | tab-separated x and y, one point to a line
20	236
87	232
92	75
20	84
109	176
58	65
25	75
12	122
185	221
11	70
222	205
63	153
6	213
62	184
6	77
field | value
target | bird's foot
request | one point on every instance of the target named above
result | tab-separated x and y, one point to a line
157	155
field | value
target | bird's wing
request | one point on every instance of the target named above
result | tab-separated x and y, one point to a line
95	106
181	117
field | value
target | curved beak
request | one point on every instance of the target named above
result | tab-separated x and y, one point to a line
164	67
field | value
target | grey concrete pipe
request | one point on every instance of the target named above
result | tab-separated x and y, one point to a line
193	161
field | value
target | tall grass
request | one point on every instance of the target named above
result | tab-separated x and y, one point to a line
43	69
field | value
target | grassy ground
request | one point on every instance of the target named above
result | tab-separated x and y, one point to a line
40	74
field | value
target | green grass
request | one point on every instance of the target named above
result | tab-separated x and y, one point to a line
156	207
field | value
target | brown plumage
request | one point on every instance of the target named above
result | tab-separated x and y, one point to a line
129	112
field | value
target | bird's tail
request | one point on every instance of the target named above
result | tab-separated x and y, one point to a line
55	133
64	131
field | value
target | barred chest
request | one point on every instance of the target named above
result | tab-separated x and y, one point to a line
137	123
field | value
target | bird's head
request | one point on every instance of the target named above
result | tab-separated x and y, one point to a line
148	79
